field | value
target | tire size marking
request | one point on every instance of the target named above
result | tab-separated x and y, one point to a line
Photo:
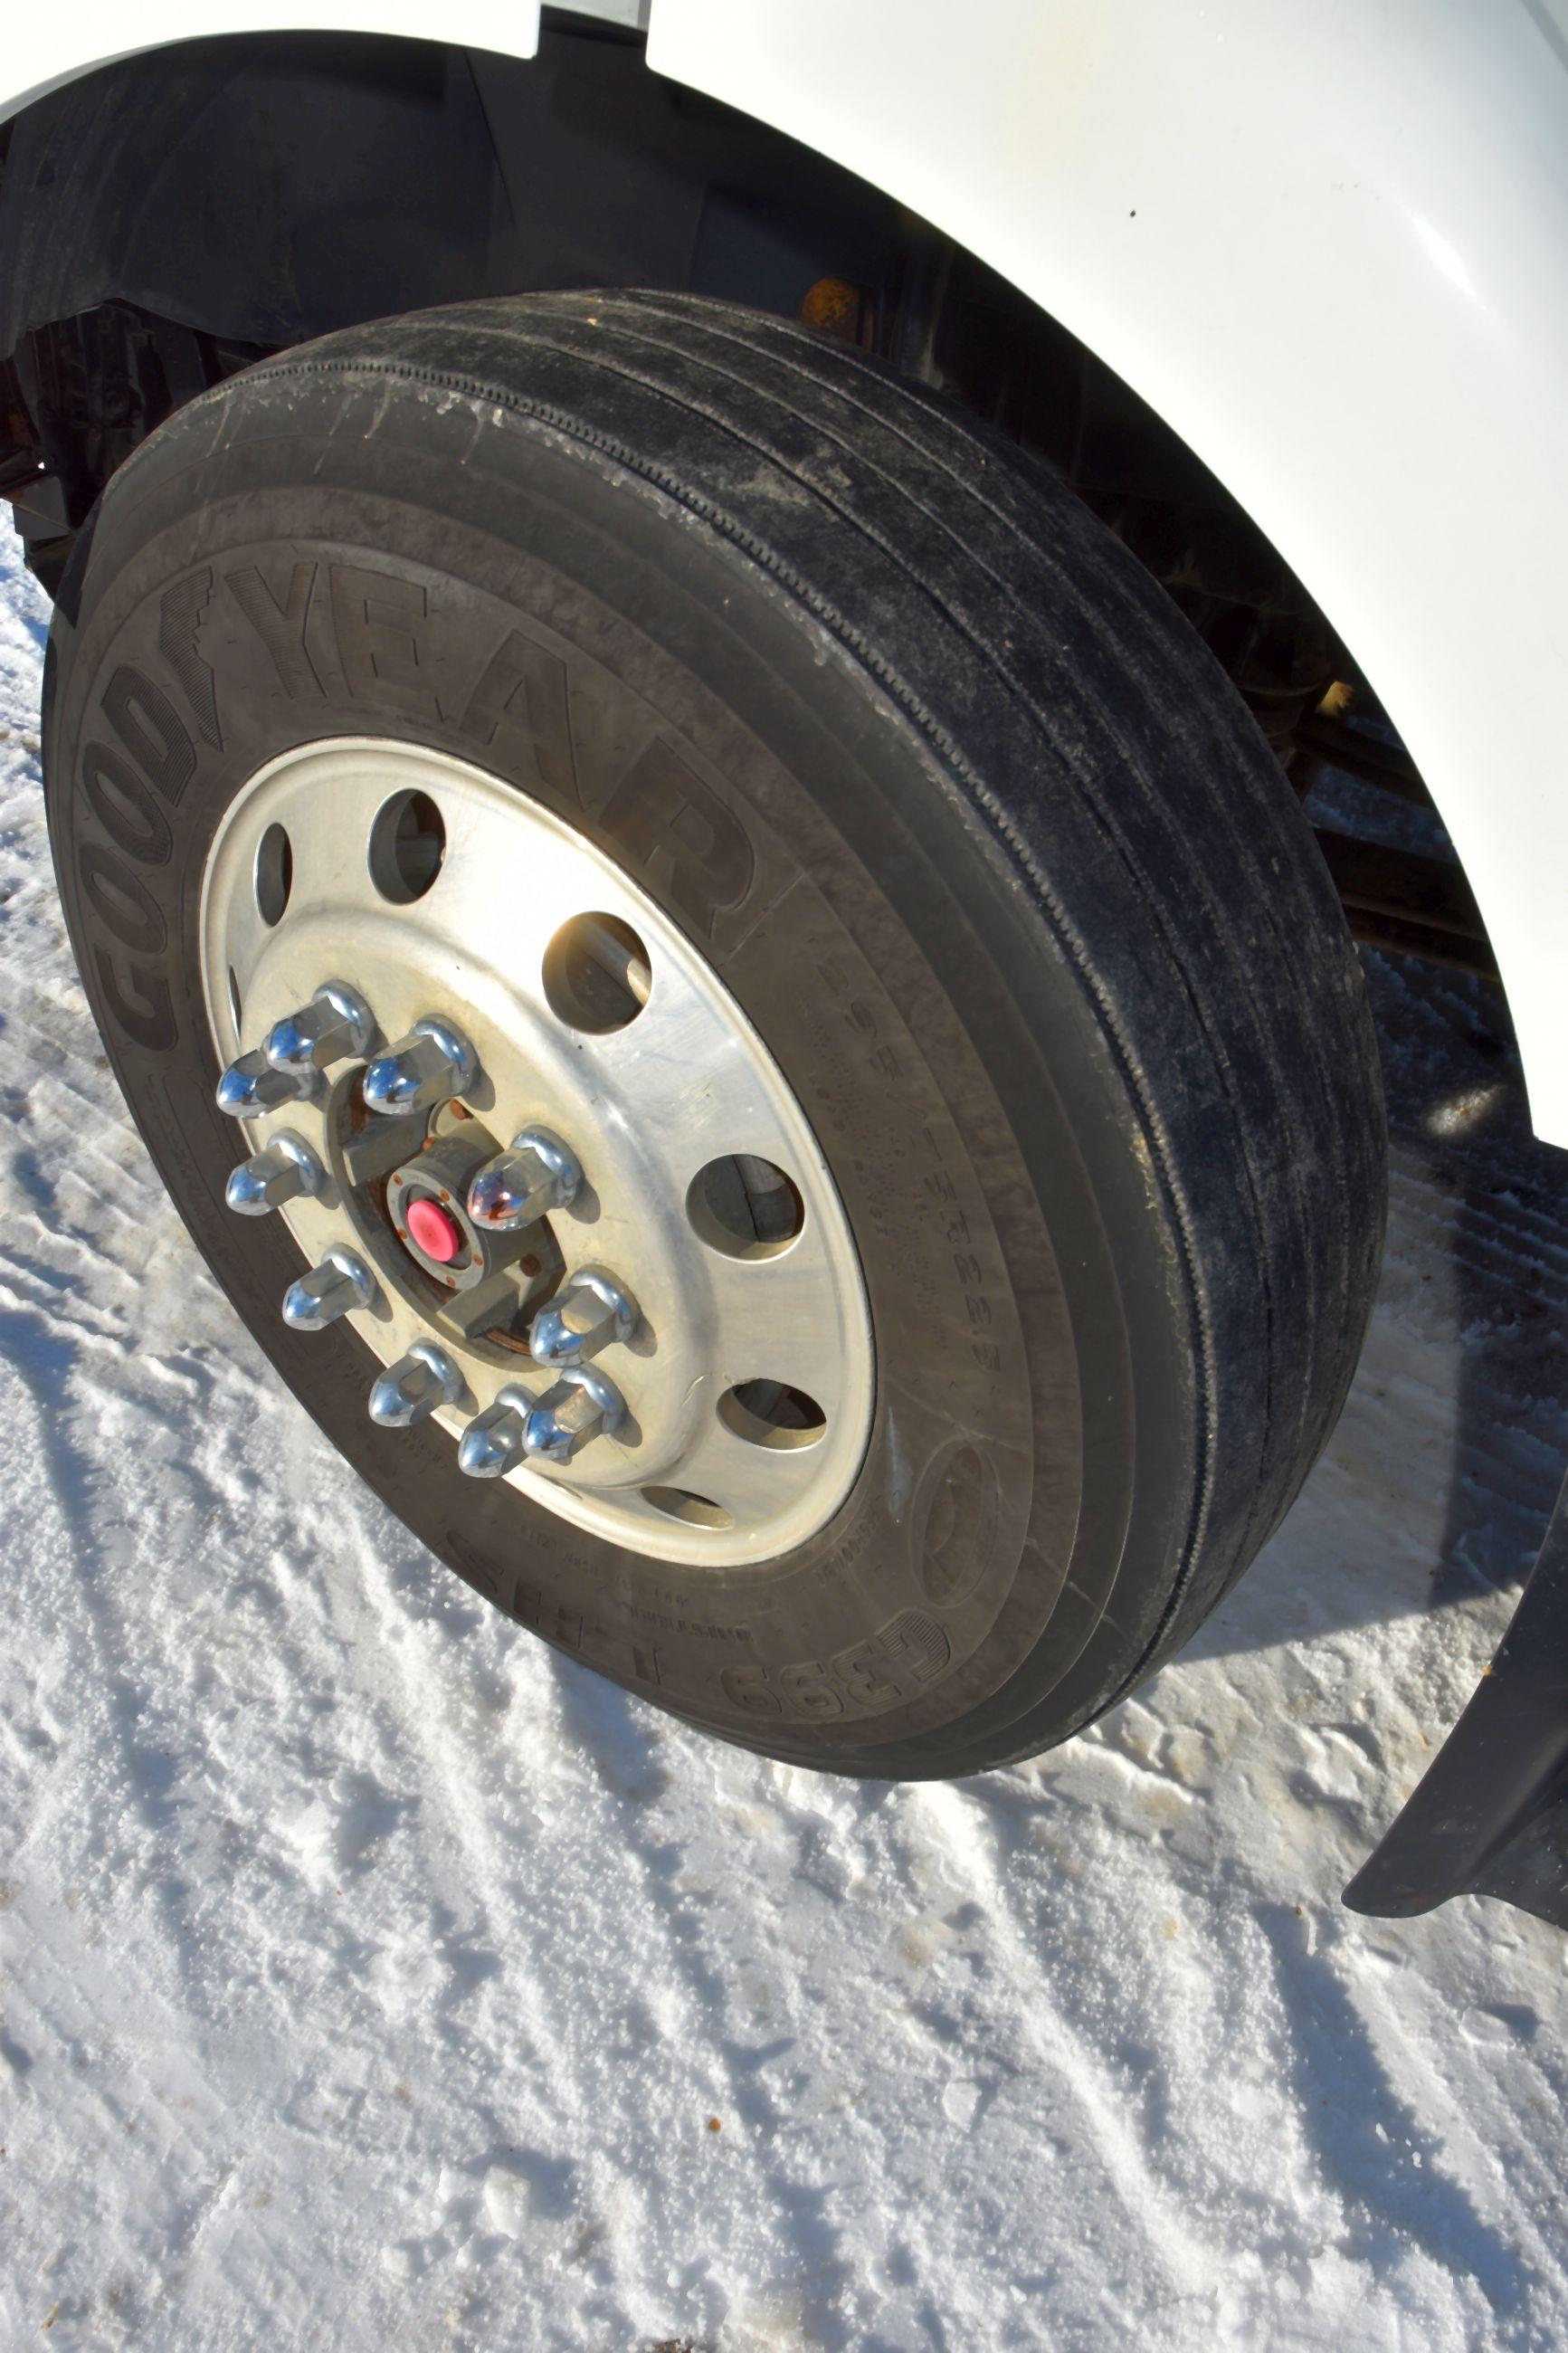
891	1666
558	1622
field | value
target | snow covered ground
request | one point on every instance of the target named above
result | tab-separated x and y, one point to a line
370	1978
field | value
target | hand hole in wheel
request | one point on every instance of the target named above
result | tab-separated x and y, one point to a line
771	1413
407	844
596	973
680	1503
274	875
743	1206
236	1002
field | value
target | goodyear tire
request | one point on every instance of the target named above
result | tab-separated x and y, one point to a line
960	813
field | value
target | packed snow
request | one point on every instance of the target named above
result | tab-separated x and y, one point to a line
372	1977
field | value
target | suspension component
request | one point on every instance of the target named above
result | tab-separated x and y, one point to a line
536	1174
283	1172
341	1281
589	1311
336	1023
583	1405
251	1086
493	1443
413	1388
429	1067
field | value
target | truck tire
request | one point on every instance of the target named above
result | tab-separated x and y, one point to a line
801	807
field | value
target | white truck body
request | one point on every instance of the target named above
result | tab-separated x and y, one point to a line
1329	246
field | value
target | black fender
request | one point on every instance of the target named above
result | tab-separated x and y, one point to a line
1490	1816
267	188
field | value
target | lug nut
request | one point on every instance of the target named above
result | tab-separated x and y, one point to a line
250	1086
328	1290
587	1312
582	1405
428	1067
337	1022
286	1168
492	1443
537	1173
414	1386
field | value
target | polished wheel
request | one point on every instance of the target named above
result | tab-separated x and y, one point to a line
581	1149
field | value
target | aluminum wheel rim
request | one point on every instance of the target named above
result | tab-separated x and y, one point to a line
726	1324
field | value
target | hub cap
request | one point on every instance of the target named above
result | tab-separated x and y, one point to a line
574	1145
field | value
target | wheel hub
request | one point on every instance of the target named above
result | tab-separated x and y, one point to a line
476	1062
434	1231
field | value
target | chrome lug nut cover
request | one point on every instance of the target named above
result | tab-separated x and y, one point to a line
492	1443
337	1023
536	1174
589	1312
285	1169
414	1386
251	1085
429	1067
342	1282
583	1405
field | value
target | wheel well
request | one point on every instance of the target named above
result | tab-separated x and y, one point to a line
172	217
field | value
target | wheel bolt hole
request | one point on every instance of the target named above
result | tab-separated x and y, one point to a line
772	1414
596	973
408	845
680	1503
744	1206
274	875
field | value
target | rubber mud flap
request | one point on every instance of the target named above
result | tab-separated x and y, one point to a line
1490	1816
